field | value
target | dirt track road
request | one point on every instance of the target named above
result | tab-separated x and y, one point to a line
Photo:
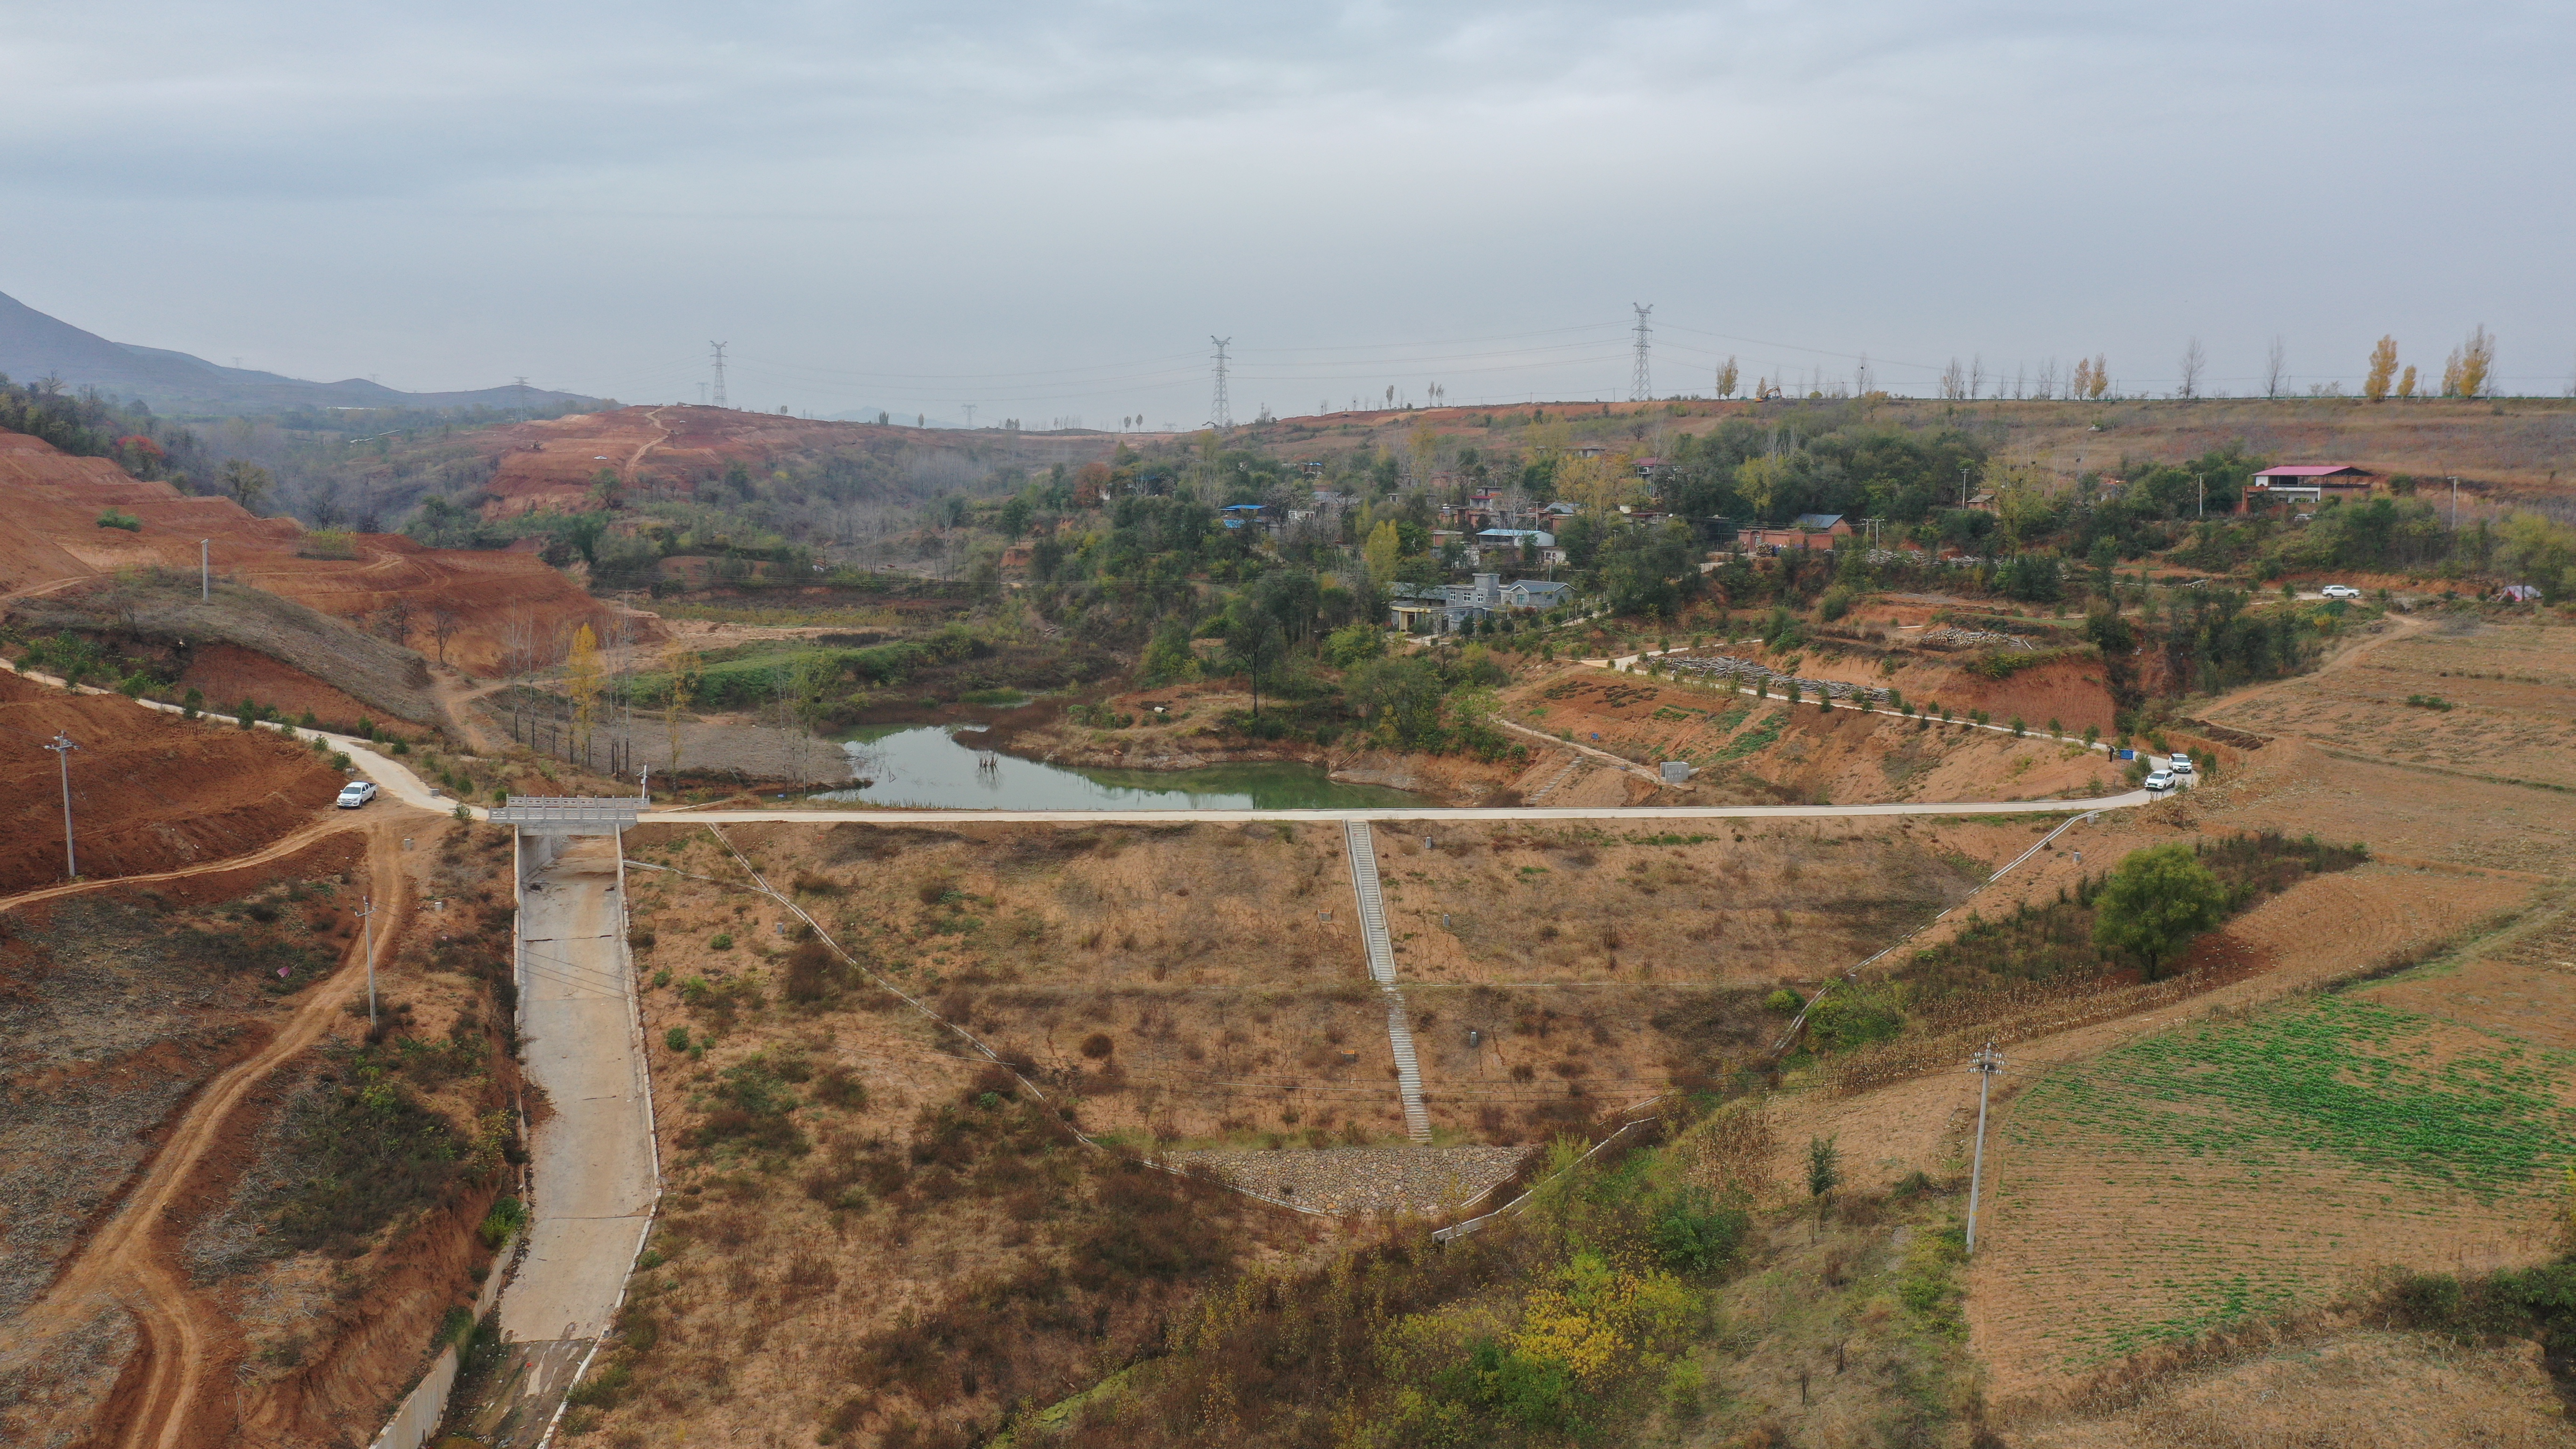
169	1393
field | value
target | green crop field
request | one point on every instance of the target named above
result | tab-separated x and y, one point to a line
2194	1178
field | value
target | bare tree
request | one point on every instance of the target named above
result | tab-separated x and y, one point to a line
2276	369
393	621
444	621
2047	380
2194	361
1954	381
1976	376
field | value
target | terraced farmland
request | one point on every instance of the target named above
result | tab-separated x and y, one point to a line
2213	1172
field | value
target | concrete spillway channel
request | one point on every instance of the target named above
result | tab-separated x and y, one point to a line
1381	966
594	1175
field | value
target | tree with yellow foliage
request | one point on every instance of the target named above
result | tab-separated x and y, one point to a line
2383	366
1383	549
2101	381
687	669
2082	385
1727	377
2477	363
2406	382
581	681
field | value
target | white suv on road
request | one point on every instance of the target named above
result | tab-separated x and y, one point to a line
2159	782
2340	591
356	793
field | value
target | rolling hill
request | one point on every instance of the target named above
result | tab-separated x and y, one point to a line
34	345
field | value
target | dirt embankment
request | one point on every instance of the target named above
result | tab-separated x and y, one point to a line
1175	727
240	642
150	792
271	1260
1743	748
495	605
552	463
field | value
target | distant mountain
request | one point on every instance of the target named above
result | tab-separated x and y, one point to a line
34	346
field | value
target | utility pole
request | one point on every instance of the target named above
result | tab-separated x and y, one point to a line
1963	485
523	394
2202	480
367	915
1640	384
970	417
1985	1064
719	392
62	748
2455	505
1223	416
205	570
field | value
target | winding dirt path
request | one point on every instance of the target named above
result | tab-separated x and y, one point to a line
636	458
284	845
169	1394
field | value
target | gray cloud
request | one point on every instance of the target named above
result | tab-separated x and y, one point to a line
1046	209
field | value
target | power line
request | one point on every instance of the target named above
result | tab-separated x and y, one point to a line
1640	383
1223	417
719	390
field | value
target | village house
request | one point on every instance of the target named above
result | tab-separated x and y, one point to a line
1808	530
2306	485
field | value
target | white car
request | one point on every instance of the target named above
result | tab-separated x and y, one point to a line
2159	782
356	793
2340	591
2180	765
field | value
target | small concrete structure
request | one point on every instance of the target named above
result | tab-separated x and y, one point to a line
1677	772
569	814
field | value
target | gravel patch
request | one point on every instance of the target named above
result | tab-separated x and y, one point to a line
1365	1179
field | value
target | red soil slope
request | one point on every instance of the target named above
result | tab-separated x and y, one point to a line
150	791
549	464
49	534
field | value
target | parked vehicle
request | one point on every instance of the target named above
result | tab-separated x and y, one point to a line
356	793
2180	765
2159	782
2340	591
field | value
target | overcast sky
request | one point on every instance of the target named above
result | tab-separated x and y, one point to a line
1047	209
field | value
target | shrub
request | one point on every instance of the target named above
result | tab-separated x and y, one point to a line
838	1086
1856	1016
2428	701
194	704
508	1215
1098	1046
340	760
813	973
118	518
723	941
677	1038
1695	1235
1784	1001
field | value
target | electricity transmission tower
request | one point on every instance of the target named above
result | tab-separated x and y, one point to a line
1223	416
1985	1064
62	748
719	347
1640	385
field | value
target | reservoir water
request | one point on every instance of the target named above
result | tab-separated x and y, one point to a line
932	767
